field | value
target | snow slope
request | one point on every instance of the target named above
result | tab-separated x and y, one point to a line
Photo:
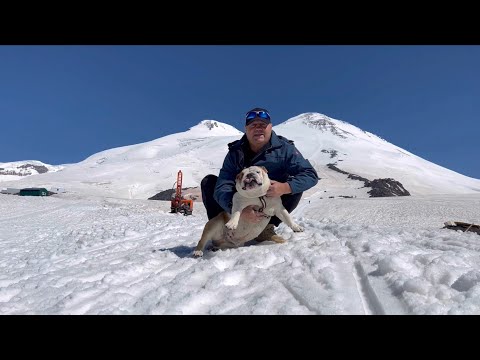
71	254
142	170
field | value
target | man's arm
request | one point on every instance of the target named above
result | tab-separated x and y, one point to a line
225	187
302	175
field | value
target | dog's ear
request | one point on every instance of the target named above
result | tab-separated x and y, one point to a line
264	169
239	176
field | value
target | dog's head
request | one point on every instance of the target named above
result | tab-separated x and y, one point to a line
252	182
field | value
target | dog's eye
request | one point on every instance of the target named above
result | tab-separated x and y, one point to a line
258	172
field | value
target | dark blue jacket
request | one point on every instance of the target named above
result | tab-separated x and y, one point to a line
282	160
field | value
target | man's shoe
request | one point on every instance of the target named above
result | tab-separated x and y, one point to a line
269	234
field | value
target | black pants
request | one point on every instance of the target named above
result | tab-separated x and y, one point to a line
289	201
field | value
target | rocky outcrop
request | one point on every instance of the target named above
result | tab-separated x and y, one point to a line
163	195
24	170
38	168
325	124
350	176
386	187
167	195
210	124
380	187
333	153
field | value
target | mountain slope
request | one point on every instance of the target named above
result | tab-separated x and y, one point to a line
142	170
328	141
338	150
18	169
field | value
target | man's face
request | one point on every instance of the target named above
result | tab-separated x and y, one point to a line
258	133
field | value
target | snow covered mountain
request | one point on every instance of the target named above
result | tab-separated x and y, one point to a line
326	142
346	158
142	170
18	169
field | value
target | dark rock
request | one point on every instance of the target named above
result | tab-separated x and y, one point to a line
166	195
39	168
387	187
333	153
380	187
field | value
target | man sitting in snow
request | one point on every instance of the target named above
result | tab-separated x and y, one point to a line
290	172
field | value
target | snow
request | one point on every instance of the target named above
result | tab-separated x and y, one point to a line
102	248
361	153
140	171
72	254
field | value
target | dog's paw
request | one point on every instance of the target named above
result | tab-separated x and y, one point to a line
297	228
231	225
197	253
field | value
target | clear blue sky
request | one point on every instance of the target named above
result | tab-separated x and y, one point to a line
61	104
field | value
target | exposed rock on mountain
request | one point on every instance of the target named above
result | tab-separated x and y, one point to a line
380	187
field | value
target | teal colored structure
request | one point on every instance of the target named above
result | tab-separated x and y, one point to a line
33	192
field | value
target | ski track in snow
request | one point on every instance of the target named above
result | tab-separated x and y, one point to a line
64	255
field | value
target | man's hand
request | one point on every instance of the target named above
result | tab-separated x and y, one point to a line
249	214
277	189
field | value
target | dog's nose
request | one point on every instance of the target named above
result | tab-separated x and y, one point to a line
250	175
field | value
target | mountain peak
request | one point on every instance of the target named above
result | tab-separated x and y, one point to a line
26	168
318	121
215	128
324	123
348	160
308	117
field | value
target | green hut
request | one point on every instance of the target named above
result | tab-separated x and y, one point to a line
33	192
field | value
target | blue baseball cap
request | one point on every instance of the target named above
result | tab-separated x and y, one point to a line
257	114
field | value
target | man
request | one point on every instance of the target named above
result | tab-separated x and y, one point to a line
290	173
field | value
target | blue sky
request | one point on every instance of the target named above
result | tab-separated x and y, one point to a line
61	104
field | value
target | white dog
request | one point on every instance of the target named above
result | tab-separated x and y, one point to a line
226	232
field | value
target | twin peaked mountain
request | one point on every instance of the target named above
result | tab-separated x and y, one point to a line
350	162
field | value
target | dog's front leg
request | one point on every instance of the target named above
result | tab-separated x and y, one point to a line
285	216
233	222
237	206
